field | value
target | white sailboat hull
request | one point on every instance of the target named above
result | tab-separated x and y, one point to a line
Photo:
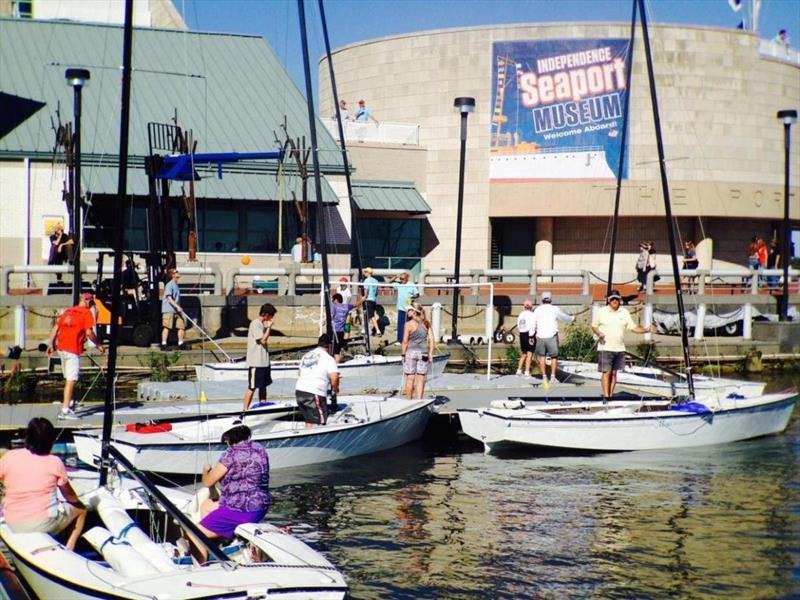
623	428
367	425
374	366
650	380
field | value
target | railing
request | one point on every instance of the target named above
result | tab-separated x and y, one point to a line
773	49
384	132
533	276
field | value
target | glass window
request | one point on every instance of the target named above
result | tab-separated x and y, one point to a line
391	243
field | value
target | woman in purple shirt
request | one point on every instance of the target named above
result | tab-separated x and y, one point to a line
243	476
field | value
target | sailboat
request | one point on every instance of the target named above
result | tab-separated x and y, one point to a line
360	425
128	564
703	417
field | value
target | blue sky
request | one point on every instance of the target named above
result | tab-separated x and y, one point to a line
356	20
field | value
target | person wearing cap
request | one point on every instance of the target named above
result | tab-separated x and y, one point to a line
609	325
524	321
318	372
417	350
339	313
406	294
371	304
344	290
545	328
68	337
171	310
364	114
258	367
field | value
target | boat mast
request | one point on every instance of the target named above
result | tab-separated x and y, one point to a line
667	207
620	166
119	230
312	124
355	243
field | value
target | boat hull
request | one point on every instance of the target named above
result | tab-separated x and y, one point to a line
294	446
622	429
374	366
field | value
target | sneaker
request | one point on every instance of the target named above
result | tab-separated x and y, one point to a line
164	347
68	415
527	375
553	380
545	384
519	373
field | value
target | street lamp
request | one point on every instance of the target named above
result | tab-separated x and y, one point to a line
76	78
464	106
788	117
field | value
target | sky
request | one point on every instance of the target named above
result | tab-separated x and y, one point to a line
352	21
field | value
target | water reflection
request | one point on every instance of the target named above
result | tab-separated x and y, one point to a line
446	521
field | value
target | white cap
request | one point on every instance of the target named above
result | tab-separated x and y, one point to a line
546	297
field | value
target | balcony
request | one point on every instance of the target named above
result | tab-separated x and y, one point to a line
778	51
385	132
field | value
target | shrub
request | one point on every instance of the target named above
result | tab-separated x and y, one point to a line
578	344
159	364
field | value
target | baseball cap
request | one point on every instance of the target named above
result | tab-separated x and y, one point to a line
343	279
361	101
614	294
411	308
547	297
527	304
87	296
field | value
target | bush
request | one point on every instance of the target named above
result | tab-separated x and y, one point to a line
159	364
578	344
512	358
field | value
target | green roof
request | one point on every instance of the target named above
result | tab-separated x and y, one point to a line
230	90
395	196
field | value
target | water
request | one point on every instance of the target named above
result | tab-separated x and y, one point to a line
439	519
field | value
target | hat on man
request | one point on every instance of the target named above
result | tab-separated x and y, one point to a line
367	270
614	295
361	101
87	296
343	279
547	297
411	308
527	304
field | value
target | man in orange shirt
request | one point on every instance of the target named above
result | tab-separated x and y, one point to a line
68	336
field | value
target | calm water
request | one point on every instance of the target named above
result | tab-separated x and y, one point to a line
439	519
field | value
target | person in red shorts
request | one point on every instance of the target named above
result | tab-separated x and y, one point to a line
68	337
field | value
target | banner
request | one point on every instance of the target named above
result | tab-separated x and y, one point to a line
557	109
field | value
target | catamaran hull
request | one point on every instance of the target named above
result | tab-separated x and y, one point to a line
373	366
295	448
623	430
644	380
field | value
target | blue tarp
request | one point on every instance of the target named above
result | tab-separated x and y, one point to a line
692	407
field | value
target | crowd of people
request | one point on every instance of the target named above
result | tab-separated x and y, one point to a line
761	255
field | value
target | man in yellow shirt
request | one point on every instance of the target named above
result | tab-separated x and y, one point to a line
609	325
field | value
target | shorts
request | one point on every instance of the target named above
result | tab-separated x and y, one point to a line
223	521
313	407
416	363
369	307
173	321
339	343
525	342
67	513
610	361
258	378
547	347
70	365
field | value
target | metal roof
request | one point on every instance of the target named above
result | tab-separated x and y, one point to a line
389	196
230	90
233	185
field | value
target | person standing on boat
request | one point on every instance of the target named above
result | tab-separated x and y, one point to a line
609	325
318	372
524	322
371	303
258	368
31	476
417	350
545	327
171	310
68	337
339	313
406	294
243	475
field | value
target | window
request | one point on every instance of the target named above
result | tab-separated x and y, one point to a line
391	243
22	9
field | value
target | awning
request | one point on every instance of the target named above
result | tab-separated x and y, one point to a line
390	196
232	186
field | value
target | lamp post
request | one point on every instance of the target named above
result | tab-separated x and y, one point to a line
788	117
76	78
464	106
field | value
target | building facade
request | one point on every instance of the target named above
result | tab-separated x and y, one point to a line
718	92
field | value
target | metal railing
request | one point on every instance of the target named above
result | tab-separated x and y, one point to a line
384	132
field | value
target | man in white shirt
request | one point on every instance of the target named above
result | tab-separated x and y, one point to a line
609	325
524	321
318	371
258	368
545	327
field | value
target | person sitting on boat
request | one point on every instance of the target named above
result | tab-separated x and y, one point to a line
524	321
417	350
609	325
318	372
544	326
339	313
31	476
258	367
243	476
